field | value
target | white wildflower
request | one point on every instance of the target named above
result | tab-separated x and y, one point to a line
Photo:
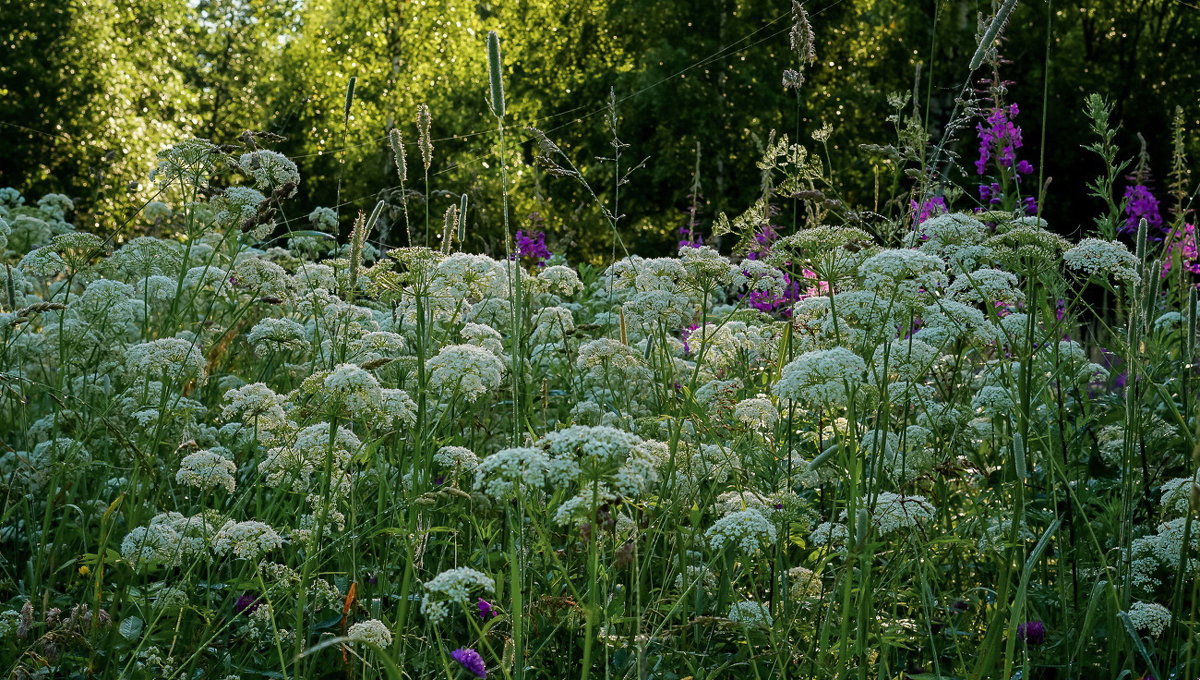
372	631
747	530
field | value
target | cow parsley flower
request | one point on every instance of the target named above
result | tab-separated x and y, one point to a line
272	171
470	369
372	631
1150	617
453	586
456	458
499	474
246	540
175	357
803	584
757	412
604	355
748	530
278	335
894	512
903	273
986	285
559	280
207	469
820	377
255	404
1177	494
1103	258
750	613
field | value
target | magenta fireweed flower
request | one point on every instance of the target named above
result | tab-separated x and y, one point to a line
688	238
486	611
1032	632
1140	204
470	660
1000	138
1183	242
930	207
533	246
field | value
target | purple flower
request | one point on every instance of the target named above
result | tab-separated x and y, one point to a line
1032	632
688	238
533	245
1183	242
470	660
1000	138
485	609
1140	204
246	603
934	205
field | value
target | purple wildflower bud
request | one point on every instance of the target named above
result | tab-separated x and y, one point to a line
246	603
485	609
1032	632
533	246
934	205
439	480
470	660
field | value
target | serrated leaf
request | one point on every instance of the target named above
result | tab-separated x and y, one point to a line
131	628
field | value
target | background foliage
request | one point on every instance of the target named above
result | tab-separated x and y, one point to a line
93	88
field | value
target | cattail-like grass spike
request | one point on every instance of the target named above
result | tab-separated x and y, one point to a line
497	83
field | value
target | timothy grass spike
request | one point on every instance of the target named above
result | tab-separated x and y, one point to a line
494	76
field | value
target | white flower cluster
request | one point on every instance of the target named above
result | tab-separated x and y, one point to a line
371	631
453	586
757	412
272	171
585	454
750	613
894	512
820	378
278	335
472	371
456	458
207	469
246	540
172	357
1150	617
1095	257
748	531
499	475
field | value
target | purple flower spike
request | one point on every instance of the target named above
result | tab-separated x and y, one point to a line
1032	632
485	609
470	660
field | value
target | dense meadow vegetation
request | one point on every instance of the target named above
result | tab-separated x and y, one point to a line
818	439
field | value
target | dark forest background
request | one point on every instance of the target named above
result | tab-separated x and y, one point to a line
90	90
